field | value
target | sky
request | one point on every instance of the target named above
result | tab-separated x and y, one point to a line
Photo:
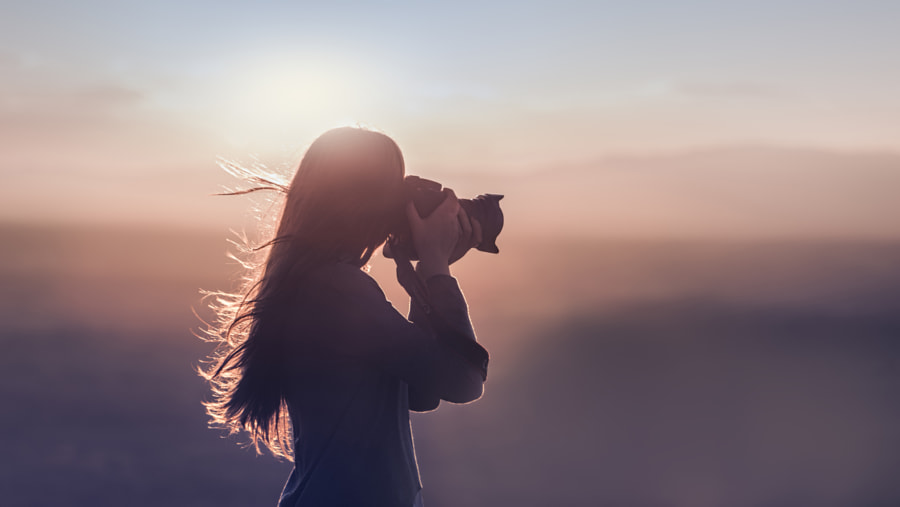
117	110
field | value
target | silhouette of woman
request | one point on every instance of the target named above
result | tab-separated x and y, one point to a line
313	362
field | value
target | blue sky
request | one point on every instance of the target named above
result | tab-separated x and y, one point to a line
158	87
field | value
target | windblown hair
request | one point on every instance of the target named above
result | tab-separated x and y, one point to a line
340	206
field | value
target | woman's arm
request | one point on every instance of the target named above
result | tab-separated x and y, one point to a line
451	308
444	361
437	356
441	241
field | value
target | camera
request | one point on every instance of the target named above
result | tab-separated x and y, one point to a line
427	195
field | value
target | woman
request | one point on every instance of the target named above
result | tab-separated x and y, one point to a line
314	363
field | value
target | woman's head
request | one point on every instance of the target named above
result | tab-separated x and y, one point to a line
340	206
345	195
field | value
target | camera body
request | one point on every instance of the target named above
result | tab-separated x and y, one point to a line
427	195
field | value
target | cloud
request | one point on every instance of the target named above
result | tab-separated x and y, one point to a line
751	192
731	90
8	60
40	94
59	118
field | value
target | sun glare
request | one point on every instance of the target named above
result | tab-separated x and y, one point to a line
274	100
300	91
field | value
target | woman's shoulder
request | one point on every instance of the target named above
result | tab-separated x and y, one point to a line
339	279
339	303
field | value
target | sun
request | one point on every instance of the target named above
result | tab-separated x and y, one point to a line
305	90
287	96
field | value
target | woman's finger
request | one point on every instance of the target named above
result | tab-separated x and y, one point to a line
412	214
450	204
465	235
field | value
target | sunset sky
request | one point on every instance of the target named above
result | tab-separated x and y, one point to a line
697	296
116	111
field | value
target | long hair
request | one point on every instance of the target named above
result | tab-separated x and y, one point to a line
339	206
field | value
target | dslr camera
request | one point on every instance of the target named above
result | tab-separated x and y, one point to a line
427	195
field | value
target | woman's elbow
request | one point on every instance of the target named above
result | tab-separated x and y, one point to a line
467	389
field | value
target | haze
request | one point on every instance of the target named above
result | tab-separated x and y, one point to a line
697	299
117	111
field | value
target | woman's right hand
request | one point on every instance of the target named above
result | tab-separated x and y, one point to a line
435	237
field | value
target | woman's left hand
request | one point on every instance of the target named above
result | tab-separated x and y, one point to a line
469	235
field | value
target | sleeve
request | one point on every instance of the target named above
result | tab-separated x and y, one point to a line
437	362
421	400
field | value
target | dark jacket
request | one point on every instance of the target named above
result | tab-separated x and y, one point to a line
355	368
